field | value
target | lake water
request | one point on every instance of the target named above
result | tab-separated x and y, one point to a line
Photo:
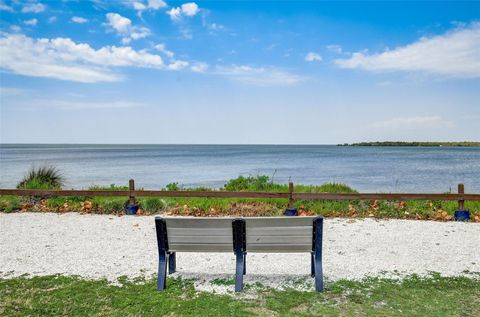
367	169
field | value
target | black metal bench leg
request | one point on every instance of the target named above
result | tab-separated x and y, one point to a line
172	262
162	242
162	271
312	265
318	255
318	274
240	270
239	248
245	263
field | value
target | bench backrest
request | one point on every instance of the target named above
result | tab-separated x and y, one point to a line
263	234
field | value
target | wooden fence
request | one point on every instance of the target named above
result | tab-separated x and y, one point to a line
291	195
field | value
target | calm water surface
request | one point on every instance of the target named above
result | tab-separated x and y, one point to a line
376	169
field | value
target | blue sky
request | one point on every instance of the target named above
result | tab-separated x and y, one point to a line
151	71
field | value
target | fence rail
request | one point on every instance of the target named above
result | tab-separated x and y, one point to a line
225	194
461	197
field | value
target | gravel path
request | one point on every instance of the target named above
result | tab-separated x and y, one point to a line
102	246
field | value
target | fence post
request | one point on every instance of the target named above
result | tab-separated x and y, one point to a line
461	203
461	214
131	188
291	210
131	206
290	195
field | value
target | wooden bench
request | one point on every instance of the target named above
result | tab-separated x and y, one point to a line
240	235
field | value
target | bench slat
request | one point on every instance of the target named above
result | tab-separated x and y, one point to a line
280	231
273	240
272	248
199	222
268	222
178	247
202	239
172	232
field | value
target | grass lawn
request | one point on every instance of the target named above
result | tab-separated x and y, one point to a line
69	296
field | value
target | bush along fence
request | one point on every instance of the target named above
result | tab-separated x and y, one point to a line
131	205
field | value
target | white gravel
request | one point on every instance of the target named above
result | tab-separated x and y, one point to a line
101	246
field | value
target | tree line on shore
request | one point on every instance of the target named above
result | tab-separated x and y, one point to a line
403	143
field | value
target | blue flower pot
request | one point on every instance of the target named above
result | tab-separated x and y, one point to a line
290	212
131	209
462	215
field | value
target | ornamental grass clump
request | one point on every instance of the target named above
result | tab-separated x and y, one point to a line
43	177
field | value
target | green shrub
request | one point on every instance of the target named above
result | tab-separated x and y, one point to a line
111	187
153	204
200	189
325	188
172	187
44	177
253	183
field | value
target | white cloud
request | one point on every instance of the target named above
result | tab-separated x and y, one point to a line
139	33
156	4
80	20
124	27
33	7
141	6
453	54
15	28
177	65
163	49
335	48
312	57
199	67
52	19
175	13
412	123
215	27
4	7
31	22
189	9
259	76
62	58
121	24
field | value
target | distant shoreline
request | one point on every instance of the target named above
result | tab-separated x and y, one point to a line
394	143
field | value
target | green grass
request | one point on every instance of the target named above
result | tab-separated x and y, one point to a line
260	207
69	296
250	207
9	203
153	204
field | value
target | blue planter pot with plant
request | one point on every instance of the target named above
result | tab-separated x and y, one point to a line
131	209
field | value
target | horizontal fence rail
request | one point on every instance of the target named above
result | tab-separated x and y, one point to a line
241	194
143	193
